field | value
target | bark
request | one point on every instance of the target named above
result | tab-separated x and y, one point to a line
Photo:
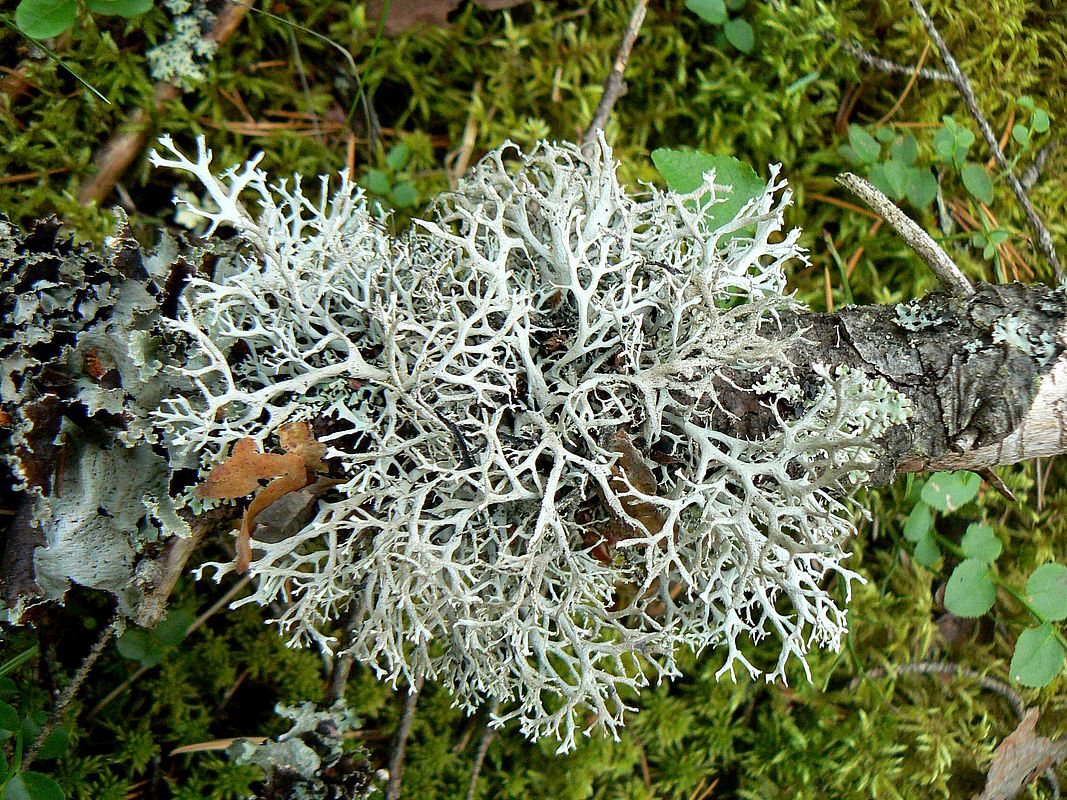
978	402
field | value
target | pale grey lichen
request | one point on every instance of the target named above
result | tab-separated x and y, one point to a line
1014	331
917	316
182	57
492	387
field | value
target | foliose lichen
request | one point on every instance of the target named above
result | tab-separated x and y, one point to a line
517	396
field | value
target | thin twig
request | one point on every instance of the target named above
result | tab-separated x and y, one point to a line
1033	172
342	664
483	747
884	64
67	695
613	84
915	237
1044	238
400	743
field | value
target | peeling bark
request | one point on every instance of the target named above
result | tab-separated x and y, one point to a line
978	402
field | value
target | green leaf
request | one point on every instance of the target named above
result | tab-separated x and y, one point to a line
121	8
947	491
739	34
977	181
919	523
398	156
980	543
970	592
377	181
905	149
735	5
1020	133
927	552
1046	589
884	135
922	188
1026	101
849	152
865	145
10	721
42	19
137	645
404	195
1041	120
684	172
713	11
171	631
55	744
32	786
897	174
1038	657
944	144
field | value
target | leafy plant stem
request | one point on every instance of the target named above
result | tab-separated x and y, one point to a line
55	57
13	664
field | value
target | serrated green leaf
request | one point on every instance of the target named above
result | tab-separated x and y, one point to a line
684	172
740	34
1046	589
919	523
980	543
32	786
970	592
42	19
927	552
948	491
922	188
865	145
712	11
1038	657
977	181
121	8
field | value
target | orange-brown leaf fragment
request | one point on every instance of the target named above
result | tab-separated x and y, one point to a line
242	473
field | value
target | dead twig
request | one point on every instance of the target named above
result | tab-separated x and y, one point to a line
67	695
1033	172
400	742
915	237
483	747
614	84
1044	238
884	64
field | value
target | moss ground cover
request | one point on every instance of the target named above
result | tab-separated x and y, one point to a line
443	96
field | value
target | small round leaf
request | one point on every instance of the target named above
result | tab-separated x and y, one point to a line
922	188
948	491
1038	657
927	552
120	8
713	11
32	786
980	543
978	182
1047	591
42	19
919	523
865	145
970	592
1041	120
739	34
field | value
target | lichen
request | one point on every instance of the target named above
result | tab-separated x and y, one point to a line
182	57
492	387
1015	331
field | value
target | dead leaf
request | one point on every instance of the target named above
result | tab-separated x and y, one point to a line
1020	758
241	474
404	14
632	470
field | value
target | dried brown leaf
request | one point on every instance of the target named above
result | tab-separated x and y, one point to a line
1020	758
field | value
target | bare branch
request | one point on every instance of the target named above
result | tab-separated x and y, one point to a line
483	747
400	743
1033	172
1044	238
884	64
915	237
613	84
